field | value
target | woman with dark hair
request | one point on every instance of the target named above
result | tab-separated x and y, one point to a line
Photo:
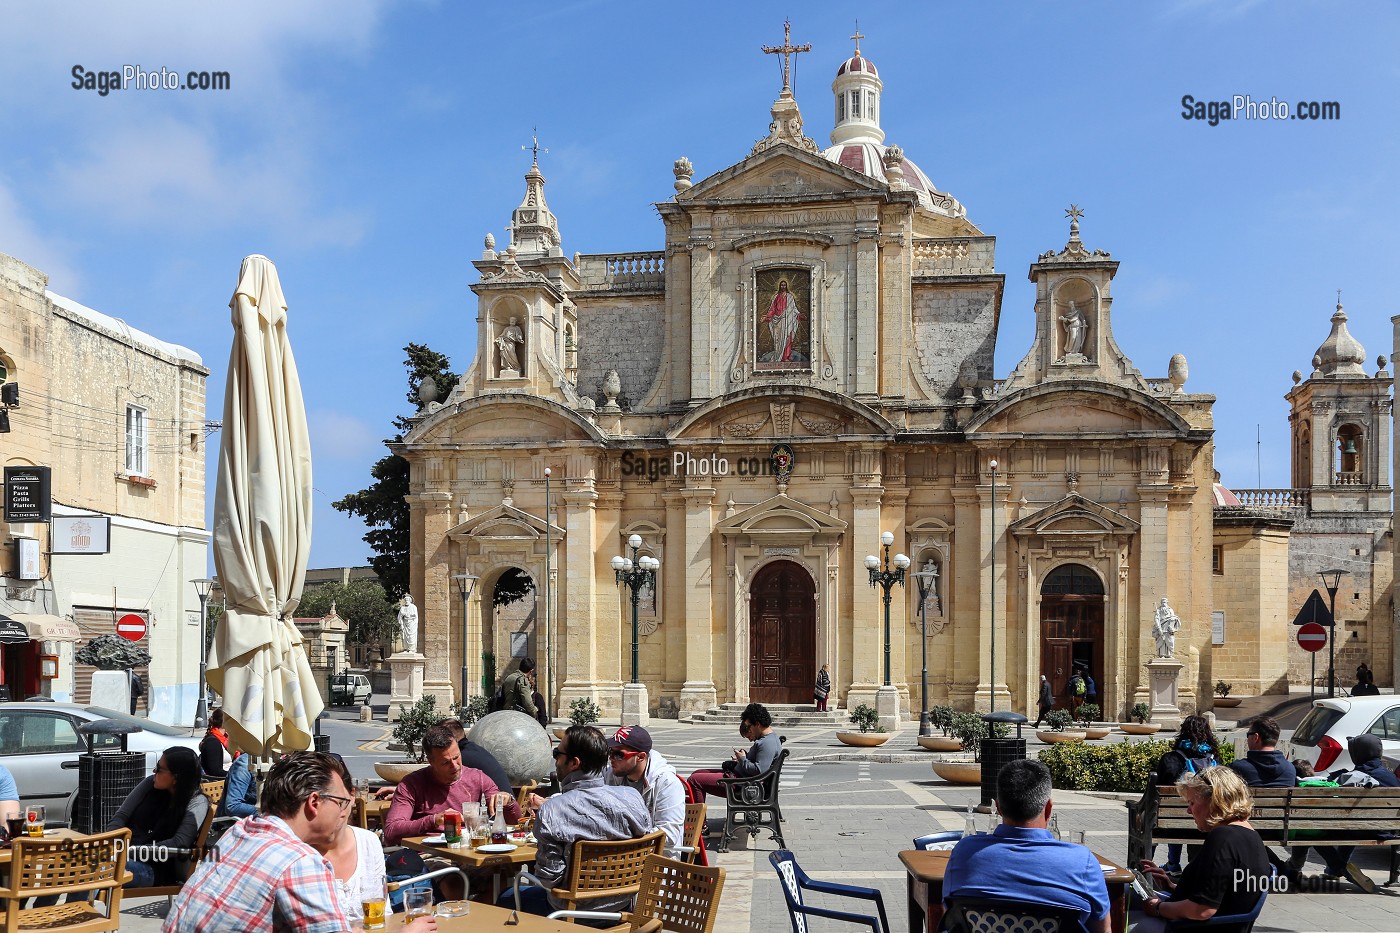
166	810
1194	749
214	757
755	725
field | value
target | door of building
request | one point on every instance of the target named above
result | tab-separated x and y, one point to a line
782	634
1071	628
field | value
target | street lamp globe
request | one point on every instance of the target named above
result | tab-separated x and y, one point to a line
872	562
634	542
619	564
901	561
887	538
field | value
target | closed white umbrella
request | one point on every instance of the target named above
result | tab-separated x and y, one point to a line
262	527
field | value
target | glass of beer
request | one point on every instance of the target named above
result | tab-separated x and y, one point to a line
34	820
374	908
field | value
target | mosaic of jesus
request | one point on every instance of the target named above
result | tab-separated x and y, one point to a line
783	327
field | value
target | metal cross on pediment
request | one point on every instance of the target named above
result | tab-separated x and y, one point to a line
787	50
534	146
1074	212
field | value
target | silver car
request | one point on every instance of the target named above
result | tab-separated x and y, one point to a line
40	745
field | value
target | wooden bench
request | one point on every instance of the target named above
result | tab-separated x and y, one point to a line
1340	816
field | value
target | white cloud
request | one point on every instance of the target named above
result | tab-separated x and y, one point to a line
20	238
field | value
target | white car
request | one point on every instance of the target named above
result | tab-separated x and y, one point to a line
40	745
1321	738
350	689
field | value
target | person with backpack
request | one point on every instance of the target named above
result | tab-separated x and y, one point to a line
1193	750
1077	689
517	692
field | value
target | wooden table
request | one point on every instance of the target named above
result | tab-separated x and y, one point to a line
376	809
7	853
926	889
486	917
498	863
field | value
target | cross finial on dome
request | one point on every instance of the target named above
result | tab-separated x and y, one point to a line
787	50
1074	213
857	37
1339	299
534	146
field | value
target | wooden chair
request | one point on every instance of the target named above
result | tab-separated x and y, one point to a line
90	865
691	840
214	790
523	792
194	854
602	869
673	896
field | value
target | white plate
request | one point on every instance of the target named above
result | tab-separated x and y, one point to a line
438	840
497	848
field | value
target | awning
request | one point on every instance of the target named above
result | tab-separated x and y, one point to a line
12	632
45	627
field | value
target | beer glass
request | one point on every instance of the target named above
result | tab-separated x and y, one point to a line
374	908
417	902
34	820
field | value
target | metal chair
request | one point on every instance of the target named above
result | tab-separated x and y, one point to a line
795	881
937	842
753	799
674	896
1236	923
998	915
88	865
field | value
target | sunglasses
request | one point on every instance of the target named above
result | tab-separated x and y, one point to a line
560	753
618	754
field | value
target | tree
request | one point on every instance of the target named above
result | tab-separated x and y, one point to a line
362	603
381	504
512	587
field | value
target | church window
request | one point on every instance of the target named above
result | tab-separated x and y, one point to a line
870	104
1348	460
840	107
1072	579
1217	560
855	105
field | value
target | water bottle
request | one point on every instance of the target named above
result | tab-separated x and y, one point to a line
970	824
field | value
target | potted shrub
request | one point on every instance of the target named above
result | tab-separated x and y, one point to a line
582	712
867	721
970	729
414	722
941	718
1140	726
1222	695
1059	721
1088	714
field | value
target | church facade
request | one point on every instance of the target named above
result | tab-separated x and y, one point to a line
805	364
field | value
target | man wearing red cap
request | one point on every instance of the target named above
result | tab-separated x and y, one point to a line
637	765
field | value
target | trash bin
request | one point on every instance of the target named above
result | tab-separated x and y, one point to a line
323	743
106	775
996	753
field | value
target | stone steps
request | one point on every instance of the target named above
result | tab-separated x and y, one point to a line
784	714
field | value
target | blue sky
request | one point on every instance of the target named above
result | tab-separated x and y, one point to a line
367	147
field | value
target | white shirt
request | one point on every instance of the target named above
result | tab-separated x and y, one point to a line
368	877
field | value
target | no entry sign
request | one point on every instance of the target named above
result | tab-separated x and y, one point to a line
133	627
1312	637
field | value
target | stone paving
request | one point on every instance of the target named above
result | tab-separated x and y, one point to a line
848	816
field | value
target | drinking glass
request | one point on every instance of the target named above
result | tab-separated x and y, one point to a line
15	825
417	902
362	788
1081	837
970	824
374	908
34	820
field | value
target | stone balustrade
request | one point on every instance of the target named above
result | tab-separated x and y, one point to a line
954	255
1283	501
622	271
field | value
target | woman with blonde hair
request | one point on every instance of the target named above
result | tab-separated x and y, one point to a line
1232	871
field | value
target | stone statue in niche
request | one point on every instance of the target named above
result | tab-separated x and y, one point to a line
1076	330
930	582
508	346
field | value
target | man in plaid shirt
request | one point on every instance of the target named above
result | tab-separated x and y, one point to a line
265	875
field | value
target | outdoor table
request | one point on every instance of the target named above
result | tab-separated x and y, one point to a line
487	917
7	853
377	808
926	889
471	858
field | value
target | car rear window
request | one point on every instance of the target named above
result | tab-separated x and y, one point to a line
1315	725
159	728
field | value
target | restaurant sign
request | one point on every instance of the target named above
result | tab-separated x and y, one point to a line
27	494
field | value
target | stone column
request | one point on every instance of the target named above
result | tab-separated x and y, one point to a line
698	693
430	518
866	287
964	602
579	628
867	610
1152	554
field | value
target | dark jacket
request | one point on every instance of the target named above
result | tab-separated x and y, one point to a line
474	756
518	694
1047	696
1266	769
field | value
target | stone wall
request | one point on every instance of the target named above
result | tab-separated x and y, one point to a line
619	333
1252	592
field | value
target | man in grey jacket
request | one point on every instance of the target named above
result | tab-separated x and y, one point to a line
637	765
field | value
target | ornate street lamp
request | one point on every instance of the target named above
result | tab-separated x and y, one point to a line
925	579
637	573
885	579
466	583
202	586
1332	579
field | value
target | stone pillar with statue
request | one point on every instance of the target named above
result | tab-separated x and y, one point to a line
406	666
1164	671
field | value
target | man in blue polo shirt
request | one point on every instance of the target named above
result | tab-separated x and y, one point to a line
1022	861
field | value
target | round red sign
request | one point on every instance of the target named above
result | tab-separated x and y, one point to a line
131	627
1312	637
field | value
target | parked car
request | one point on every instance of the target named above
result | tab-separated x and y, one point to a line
350	689
1321	737
40	744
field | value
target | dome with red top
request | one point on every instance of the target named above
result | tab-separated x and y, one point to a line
857	63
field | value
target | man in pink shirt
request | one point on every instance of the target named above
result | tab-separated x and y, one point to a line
424	796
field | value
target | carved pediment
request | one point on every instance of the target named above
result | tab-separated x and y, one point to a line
1080	410
504	522
782	172
1075	515
781	516
778	414
496	417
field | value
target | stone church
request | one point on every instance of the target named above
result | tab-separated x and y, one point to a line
804	364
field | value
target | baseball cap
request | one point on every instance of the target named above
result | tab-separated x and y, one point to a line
633	737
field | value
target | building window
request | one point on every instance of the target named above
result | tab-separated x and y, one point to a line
855	105
840	107
1217	560
135	441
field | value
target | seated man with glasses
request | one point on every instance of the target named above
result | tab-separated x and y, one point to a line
586	808
266	875
424	796
637	765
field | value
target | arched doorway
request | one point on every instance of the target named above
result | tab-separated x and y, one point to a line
508	636
782	634
1071	627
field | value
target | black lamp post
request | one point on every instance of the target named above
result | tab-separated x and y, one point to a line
202	586
886	579
992	702
1332	579
466	583
925	579
637	573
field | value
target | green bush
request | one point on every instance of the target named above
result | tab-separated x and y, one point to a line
414	723
866	718
941	718
473	710
1058	720
1140	712
1087	712
971	728
584	712
1118	766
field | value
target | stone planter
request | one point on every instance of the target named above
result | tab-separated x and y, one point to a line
1097	732
940	743
396	771
863	739
1139	728
958	771
1226	702
1053	738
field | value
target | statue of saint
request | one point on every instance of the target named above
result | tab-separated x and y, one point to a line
408	625
1075	328
1165	625
508	346
930	581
